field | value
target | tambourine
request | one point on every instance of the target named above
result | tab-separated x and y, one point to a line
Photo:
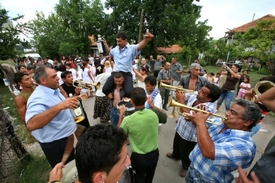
128	175
129	108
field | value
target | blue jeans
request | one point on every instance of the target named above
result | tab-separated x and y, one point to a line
227	96
114	116
255	129
194	176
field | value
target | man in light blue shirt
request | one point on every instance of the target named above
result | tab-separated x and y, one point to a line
123	55
48	116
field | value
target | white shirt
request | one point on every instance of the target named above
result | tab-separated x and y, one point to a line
102	78
73	73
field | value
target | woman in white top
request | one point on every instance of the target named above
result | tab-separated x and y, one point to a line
141	75
87	77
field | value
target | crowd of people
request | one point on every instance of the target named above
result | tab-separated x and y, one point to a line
208	152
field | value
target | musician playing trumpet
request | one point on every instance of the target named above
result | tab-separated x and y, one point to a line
186	137
221	149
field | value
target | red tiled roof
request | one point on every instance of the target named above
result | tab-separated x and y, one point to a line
171	49
251	24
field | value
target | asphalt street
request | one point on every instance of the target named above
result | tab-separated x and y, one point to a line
168	169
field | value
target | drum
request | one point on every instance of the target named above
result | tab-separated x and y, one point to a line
69	172
129	108
128	176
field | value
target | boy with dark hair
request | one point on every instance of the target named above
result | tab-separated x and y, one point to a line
142	129
68	87
23	80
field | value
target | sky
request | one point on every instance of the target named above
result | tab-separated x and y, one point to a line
221	14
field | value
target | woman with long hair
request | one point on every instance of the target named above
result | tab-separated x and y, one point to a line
228	88
142	74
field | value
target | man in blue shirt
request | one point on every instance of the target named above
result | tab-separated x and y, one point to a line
221	149
48	116
123	55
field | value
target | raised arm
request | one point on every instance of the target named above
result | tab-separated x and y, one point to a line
268	99
137	73
205	142
107	49
235	75
147	38
43	118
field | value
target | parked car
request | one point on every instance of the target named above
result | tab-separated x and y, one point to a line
35	56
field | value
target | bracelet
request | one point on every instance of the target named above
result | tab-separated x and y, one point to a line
55	181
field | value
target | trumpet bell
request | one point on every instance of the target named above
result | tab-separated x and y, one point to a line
262	87
211	119
173	88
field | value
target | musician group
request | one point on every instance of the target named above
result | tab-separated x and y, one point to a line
209	147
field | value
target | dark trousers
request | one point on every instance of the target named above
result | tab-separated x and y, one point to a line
145	165
127	84
54	151
182	149
165	96
156	73
84	122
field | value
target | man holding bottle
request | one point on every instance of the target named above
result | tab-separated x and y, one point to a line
48	116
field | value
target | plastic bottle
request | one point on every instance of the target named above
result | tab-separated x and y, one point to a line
77	113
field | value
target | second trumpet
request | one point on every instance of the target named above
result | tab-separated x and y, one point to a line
173	103
173	88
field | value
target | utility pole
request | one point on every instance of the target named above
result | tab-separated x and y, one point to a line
140	25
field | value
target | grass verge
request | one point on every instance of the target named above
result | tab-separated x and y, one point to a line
36	170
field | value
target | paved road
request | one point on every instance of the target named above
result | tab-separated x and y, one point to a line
167	169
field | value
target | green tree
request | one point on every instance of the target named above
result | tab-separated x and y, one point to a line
66	31
10	35
171	21
223	49
259	43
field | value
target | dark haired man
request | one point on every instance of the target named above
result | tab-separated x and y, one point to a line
186	137
221	149
116	95
154	98
123	56
20	61
142	129
48	116
23	80
99	158
22	68
68	87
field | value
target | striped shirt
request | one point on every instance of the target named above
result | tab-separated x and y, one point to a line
233	148
186	129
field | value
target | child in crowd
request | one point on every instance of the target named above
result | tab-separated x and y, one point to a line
217	79
244	87
210	77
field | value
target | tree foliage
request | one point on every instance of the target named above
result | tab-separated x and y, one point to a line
171	21
66	31
9	35
259	43
222	49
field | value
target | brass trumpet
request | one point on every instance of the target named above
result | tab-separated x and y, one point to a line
86	85
173	88
173	103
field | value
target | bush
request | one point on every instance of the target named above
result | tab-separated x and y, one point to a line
263	71
203	63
